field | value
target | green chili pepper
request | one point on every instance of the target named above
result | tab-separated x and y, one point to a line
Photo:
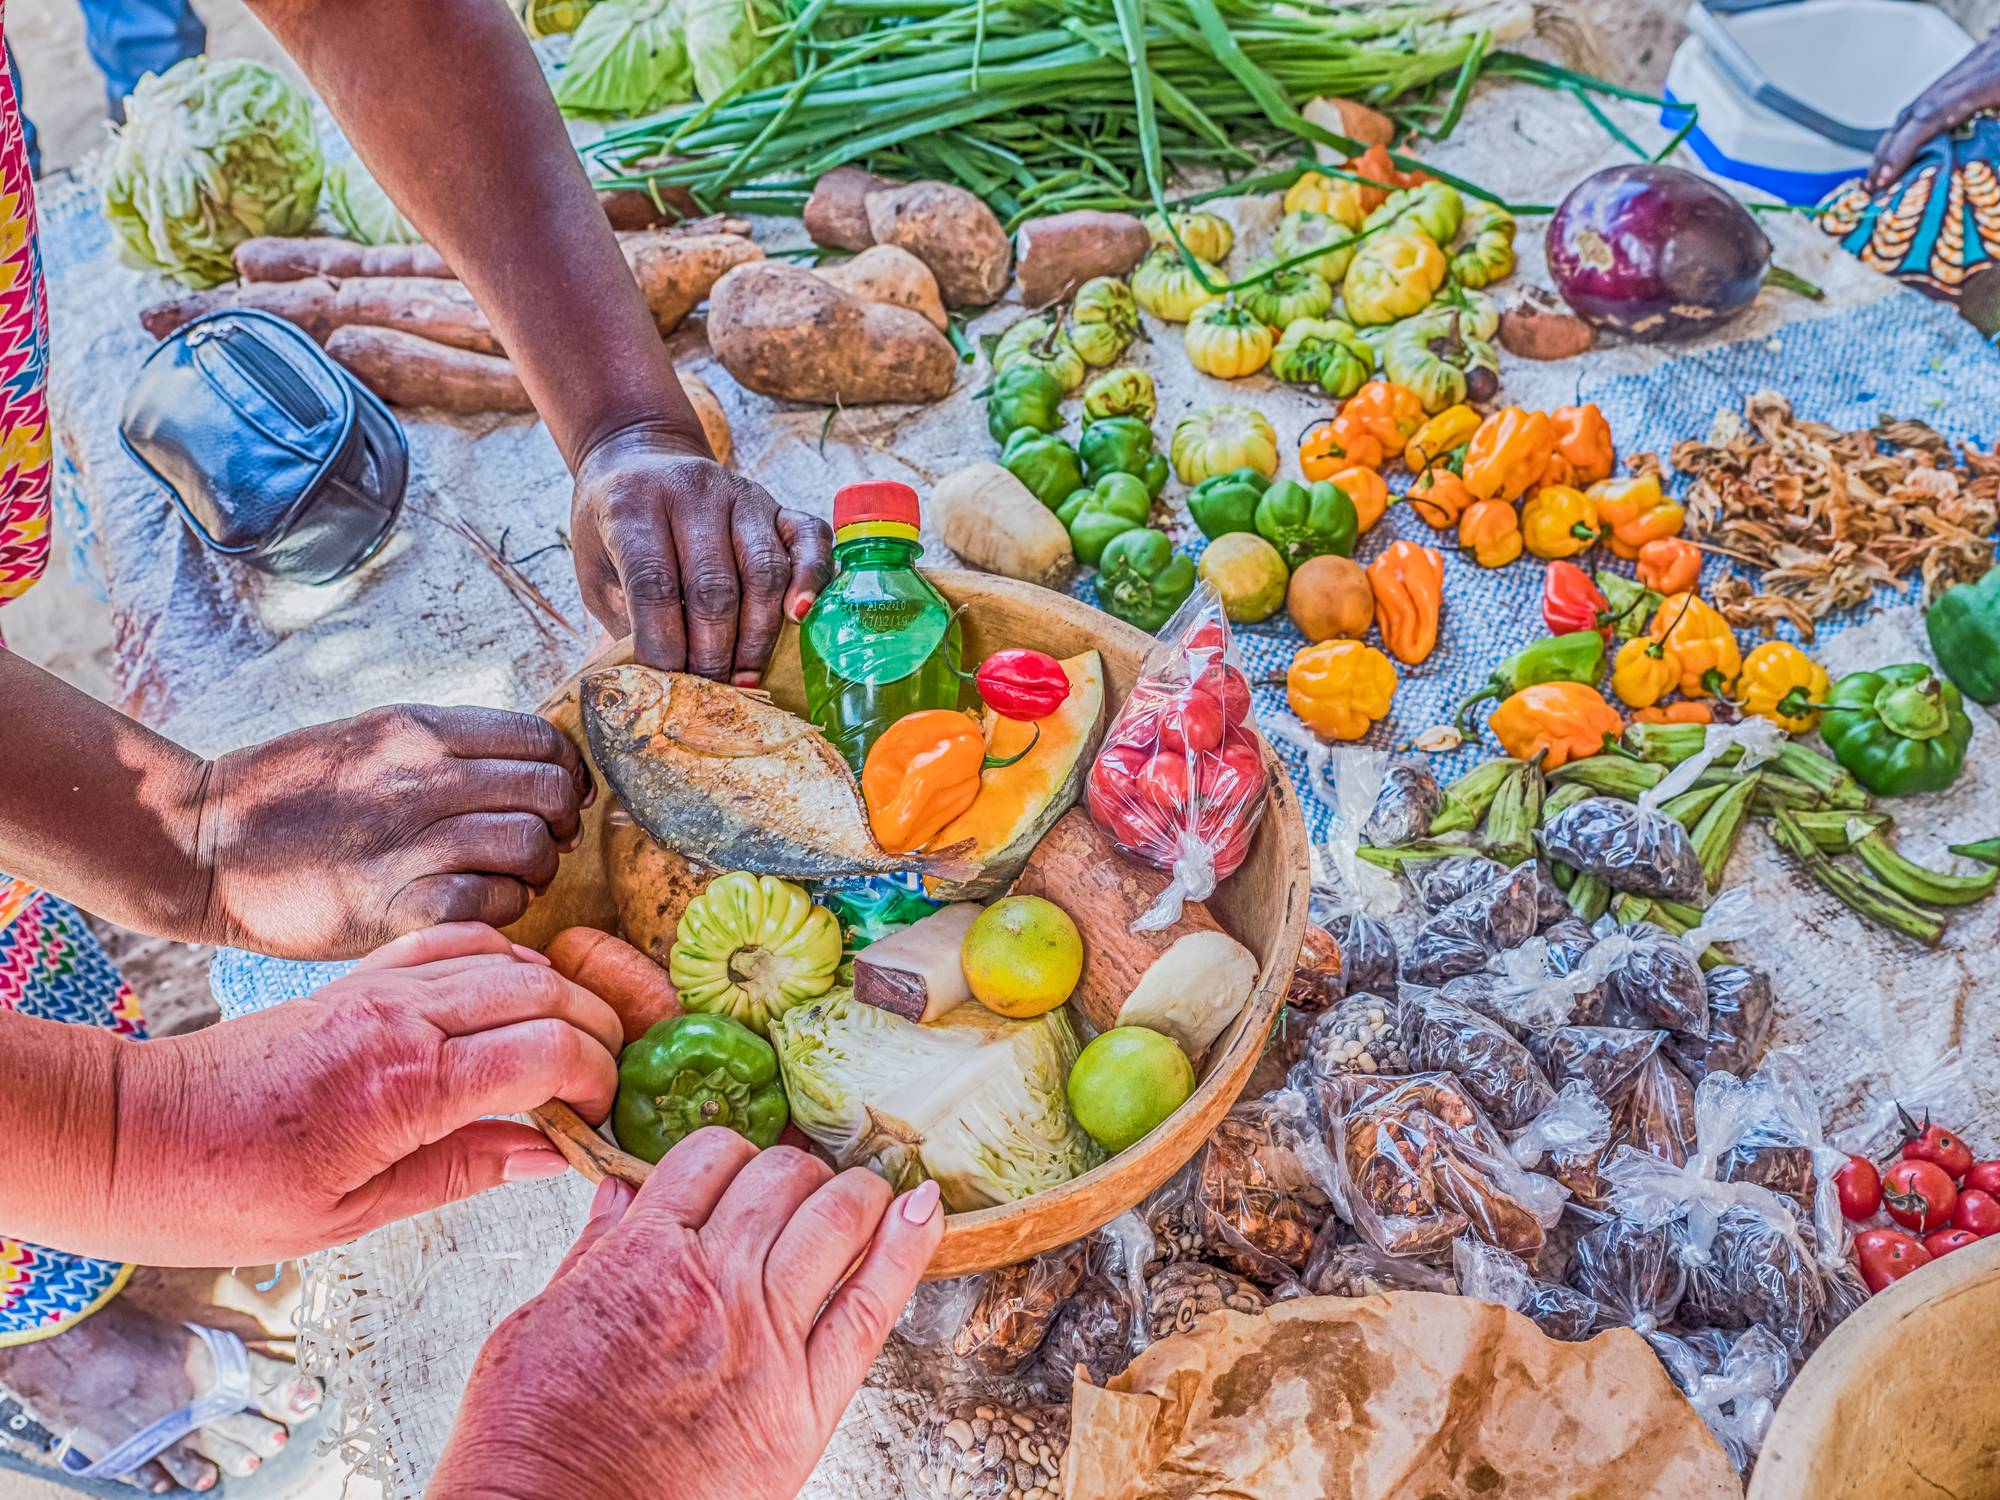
1964	626
1304	522
1023	396
1116	504
1575	657
1632	604
1898	729
693	1070
1224	503
1142	580
1044	463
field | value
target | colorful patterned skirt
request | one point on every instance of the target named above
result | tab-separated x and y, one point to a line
52	967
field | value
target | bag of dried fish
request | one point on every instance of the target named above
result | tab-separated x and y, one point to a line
1495	1068
1367	954
1419	1164
972	1446
1733	1381
1016	1308
1097	1329
1440	882
1460	939
1486	1274
1362	1034
1344	1267
1183	1292
1741	1017
1261	1185
1410	797
1630	848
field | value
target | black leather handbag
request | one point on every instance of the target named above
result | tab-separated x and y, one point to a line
272	452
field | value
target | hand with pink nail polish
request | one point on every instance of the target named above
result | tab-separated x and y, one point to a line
315	1121
701	1340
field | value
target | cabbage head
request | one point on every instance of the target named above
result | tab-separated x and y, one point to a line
363	210
973	1099
725	36
627	59
213	152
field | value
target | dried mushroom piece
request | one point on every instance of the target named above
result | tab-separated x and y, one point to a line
1094	1329
1183	1293
973	1448
1261	1207
1016	1308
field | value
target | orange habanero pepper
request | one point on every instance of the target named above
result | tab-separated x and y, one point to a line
1439	497
1508	454
1669	565
1635	512
1582	444
1565	720
1675	713
1491	532
921	772
1409	596
1368	490
1326	450
1376	422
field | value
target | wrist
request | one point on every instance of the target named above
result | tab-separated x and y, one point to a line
205	909
654	435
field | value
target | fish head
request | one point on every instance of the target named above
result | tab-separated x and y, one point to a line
628	705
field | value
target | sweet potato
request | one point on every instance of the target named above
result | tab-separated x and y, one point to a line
281	258
677	271
949	230
992	520
714	423
1053	256
632	208
782	331
836	214
890	275
406	370
1347	117
618	974
1529	331
430	306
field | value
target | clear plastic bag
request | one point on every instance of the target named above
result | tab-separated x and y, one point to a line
1098	1328
1409	798
1440	1036
1180	782
1749	1267
975	1445
1732	1382
1568	1139
938	1309
1439	882
1016	1308
1488	1274
1345	1267
1632	1272
1657	983
1420	1164
1368	956
1630	848
1741	1018
1261	1187
1362	1034
1183	1292
1465	935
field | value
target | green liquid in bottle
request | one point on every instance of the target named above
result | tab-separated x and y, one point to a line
879	643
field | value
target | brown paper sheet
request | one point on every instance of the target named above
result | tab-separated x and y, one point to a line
1405	1396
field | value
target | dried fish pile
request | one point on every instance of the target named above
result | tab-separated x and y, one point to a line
1828	516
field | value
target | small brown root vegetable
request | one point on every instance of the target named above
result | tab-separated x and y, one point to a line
651	884
1537	326
429	306
617	973
993	521
782	331
407	370
1190	980
889	274
634	208
677	271
836	214
949	230
278	258
714	422
1054	256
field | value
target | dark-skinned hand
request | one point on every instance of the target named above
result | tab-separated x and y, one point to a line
1972	84
699	564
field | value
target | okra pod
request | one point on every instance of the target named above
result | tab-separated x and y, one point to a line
1589	896
1715	835
1670	744
1665	744
1568	794
1509	835
1915	882
1412	853
1563	875
1687	808
1829	828
1861	893
1611	775
1986	851
1833	781
1629	909
1680	920
1466	799
1774	790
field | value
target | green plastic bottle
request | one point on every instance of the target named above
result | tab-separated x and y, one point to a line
879	642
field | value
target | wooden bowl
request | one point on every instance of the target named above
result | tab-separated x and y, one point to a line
1263	904
1892	1406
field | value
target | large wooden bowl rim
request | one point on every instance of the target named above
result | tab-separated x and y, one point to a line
990	1237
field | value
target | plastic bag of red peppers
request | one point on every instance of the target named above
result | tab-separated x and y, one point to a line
1180	781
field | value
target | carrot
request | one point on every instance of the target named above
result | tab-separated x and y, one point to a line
438	309
407	370
619	974
273	257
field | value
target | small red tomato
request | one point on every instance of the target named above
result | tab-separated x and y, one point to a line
1228	687
1860	1188
1205	643
1193	721
1116	803
1976	1210
1887	1255
1947	1240
1919	1195
1167	784
1928	1142
1985	1175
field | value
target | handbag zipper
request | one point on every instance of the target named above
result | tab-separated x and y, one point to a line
269	373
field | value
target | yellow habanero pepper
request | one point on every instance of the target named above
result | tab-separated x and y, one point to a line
1368	490
1634	512
1491	532
1409	595
1508	454
1692	629
1669	565
1582	443
1565	720
1339	688
1439	497
1559	521
921	772
1644	672
1447	430
1779	682
1675	713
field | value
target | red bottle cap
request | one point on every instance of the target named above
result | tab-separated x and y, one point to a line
875	500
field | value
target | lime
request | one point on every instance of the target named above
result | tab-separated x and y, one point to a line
1022	956
1248	572
1126	1082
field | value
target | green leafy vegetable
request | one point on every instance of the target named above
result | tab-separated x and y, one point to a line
629	58
725	37
363	209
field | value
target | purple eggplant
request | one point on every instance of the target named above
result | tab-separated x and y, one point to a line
1654	252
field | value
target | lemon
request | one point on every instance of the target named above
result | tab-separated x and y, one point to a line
1022	956
1126	1082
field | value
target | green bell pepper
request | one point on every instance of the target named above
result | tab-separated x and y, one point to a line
694	1070
1303	522
1122	445
1116	504
1044	463
1023	396
1964	627
1142	580
1575	657
1898	729
1224	503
